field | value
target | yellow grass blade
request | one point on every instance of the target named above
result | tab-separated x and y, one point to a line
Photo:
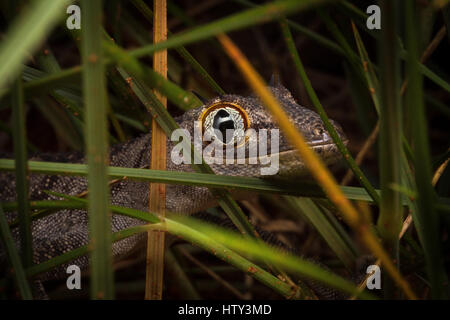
157	195
314	164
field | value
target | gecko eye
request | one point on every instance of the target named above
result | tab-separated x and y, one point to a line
225	122
317	131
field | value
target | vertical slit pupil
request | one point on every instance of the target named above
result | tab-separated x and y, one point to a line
223	121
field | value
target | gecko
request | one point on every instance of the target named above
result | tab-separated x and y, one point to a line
66	229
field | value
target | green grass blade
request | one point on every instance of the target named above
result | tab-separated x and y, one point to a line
59	79
369	72
60	121
41	208
207	239
97	151
175	270
22	177
391	216
330	128
72	130
430	74
262	252
182	51
58	116
389	221
168	124
191	235
373	86
306	209
14	258
26	33
298	188
236	21
173	92
341	39
307	32
427	215
131	122
361	17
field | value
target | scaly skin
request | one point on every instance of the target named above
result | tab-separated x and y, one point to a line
66	230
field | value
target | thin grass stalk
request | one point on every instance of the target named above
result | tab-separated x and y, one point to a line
166	122
361	18
46	207
60	121
173	92
234	183
362	153
369	72
185	17
120	88
70	129
427	215
373	87
47	83
22	176
191	235
439	171
391	213
187	37
261	251
97	151
115	124
307	32
407	176
14	257
211	273
47	60
316	102
176	271
340	229
306	209
188	228
314	163
157	194
141	37
148	14
224	198
237	21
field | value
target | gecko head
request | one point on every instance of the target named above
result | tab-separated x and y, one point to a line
243	123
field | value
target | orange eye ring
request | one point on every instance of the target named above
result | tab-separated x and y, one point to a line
218	105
